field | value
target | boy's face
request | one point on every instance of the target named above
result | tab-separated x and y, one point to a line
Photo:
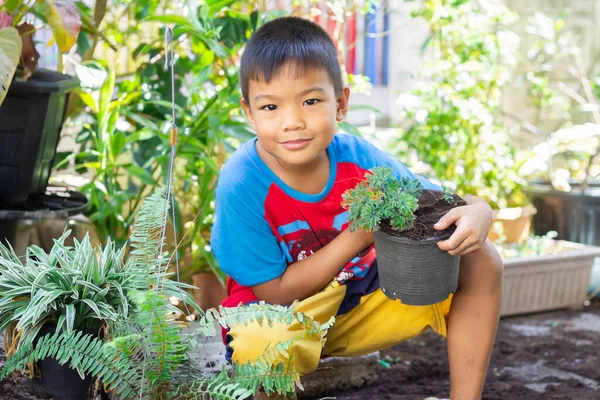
295	115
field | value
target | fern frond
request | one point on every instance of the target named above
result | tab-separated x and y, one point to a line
264	372
261	313
272	379
85	353
217	387
145	259
166	349
145	235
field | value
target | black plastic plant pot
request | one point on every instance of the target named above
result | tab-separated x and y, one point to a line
63	381
416	272
31	118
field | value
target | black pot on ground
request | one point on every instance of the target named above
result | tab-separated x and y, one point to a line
61	380
574	215
31	118
416	272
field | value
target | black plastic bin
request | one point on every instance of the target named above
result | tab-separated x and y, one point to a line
574	215
31	118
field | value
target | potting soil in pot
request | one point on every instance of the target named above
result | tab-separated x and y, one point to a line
432	207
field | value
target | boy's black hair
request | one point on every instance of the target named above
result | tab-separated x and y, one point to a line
288	39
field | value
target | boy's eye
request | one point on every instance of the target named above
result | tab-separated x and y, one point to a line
269	107
311	102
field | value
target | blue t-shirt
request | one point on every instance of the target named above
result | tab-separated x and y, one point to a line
262	225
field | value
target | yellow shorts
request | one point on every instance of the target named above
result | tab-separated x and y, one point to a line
376	323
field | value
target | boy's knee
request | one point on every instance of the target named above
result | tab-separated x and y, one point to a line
496	264
482	269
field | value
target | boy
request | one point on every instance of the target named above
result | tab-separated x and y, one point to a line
280	231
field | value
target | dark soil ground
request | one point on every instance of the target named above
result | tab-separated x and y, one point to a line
553	355
546	356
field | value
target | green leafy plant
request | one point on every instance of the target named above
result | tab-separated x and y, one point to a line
448	195
74	288
451	120
125	143
382	196
117	181
81	286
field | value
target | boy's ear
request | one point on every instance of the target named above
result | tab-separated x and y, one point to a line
343	104
248	112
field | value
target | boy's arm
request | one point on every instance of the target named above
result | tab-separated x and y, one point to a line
304	278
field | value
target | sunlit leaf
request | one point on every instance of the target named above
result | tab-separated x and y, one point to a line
63	18
10	51
170	19
141	173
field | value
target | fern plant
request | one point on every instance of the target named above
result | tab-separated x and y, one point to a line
382	196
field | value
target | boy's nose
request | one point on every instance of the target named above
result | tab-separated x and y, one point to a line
293	122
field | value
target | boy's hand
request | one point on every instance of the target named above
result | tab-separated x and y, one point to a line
472	222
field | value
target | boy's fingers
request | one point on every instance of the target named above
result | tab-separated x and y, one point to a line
458	237
451	217
452	243
469	250
464	246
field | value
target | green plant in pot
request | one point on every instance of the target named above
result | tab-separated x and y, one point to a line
411	266
32	101
77	289
69	289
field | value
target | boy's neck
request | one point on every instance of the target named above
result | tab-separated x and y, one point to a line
310	178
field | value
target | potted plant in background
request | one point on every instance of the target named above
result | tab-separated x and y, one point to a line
451	119
208	280
411	266
32	112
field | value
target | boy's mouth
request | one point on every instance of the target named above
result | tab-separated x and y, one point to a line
296	144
